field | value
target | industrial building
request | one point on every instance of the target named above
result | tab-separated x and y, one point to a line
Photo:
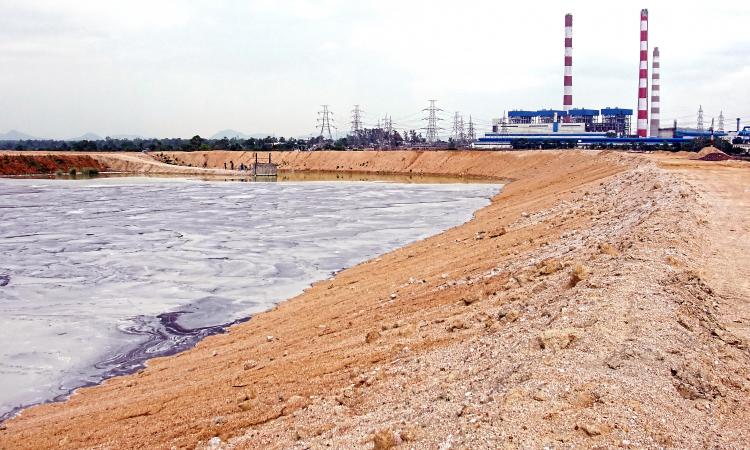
581	126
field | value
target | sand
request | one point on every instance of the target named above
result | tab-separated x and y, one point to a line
597	302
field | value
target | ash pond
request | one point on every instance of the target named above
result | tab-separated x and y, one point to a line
97	276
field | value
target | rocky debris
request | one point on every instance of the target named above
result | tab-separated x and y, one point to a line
607	249
502	231
592	429
246	405
508	314
409	433
372	336
549	266
471	299
582	398
270	338
457	324
384	439
307	432
294	403
558	339
693	383
579	274
249	364
218	420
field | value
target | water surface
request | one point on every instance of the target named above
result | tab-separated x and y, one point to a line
98	275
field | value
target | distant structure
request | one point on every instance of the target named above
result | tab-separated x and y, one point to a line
655	95
432	129
356	121
720	129
471	134
643	79
700	126
325	118
458	129
387	127
568	77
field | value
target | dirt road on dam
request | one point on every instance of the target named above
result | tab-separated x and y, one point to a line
600	300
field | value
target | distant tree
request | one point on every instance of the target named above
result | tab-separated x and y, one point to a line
196	142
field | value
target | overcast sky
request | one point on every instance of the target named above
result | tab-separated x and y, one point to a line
176	68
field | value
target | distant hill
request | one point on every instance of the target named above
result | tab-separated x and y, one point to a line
229	134
127	136
87	137
15	135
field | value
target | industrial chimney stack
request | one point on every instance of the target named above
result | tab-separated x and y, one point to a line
568	78
643	78
655	95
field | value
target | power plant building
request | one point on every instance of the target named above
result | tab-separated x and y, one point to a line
615	121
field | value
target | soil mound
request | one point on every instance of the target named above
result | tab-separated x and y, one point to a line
712	154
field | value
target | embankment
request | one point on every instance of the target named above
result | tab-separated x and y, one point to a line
572	311
45	164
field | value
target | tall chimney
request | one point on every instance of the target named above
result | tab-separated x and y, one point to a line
738	124
568	78
643	78
655	95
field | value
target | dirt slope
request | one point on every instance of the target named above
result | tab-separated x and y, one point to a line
574	311
38	164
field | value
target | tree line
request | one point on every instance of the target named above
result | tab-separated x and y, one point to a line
367	138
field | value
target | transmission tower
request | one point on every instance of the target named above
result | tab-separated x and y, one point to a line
388	130
700	118
471	134
357	121
432	128
325	118
458	129
721	122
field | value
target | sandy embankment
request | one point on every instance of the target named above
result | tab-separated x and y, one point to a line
575	310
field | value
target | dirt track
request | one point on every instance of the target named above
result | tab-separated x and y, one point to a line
600	300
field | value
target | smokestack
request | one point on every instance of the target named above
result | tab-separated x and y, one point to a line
655	95
568	78
738	124
643	78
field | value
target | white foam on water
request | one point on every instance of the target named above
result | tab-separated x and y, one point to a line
89	266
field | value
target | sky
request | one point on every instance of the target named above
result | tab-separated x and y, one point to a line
172	68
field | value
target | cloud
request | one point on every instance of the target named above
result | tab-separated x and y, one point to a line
180	67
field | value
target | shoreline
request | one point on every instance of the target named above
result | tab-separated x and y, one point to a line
570	311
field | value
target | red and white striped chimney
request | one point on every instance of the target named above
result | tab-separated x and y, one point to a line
568	79
655	95
643	78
